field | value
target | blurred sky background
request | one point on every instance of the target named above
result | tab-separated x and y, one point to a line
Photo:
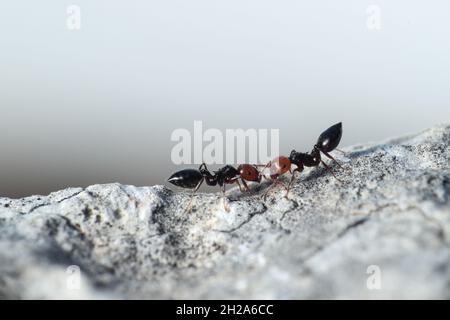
99	104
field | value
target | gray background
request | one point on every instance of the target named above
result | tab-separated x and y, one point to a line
98	105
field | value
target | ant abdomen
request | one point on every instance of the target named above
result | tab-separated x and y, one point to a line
330	138
187	178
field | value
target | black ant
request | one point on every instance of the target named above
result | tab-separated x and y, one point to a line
327	142
193	179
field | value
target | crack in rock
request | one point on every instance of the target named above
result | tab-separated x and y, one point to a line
246	221
57	202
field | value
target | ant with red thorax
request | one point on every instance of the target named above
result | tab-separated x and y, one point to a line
193	179
327	142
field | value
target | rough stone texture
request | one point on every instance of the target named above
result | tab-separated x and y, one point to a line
392	210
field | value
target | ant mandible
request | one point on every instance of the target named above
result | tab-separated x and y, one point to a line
327	142
193	179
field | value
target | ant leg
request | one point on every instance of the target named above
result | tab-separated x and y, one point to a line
245	185
240	187
290	184
189	207
341	151
225	205
329	169
331	157
267	191
298	169
264	168
275	182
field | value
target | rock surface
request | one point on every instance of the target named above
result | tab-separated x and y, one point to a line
384	232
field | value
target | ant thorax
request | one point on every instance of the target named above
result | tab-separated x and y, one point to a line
298	157
226	174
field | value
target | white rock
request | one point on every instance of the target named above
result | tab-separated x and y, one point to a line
391	214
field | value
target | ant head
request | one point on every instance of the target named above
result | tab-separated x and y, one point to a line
330	138
293	155
249	173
